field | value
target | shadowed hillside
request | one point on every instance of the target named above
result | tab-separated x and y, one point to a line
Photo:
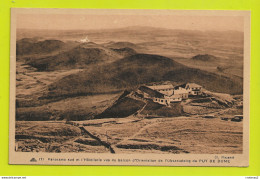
127	106
125	51
129	72
122	108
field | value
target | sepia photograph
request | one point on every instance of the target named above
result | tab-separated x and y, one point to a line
158	84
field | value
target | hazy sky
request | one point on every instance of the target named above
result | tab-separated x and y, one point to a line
90	21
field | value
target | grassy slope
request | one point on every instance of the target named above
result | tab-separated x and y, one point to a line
29	46
78	57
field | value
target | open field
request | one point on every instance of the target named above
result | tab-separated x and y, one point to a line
194	134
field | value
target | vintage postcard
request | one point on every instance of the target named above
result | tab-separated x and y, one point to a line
129	87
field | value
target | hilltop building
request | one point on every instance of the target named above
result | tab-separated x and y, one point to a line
167	94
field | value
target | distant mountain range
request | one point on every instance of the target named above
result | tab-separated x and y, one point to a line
132	71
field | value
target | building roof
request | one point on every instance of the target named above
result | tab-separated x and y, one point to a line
158	87
151	92
178	86
193	85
